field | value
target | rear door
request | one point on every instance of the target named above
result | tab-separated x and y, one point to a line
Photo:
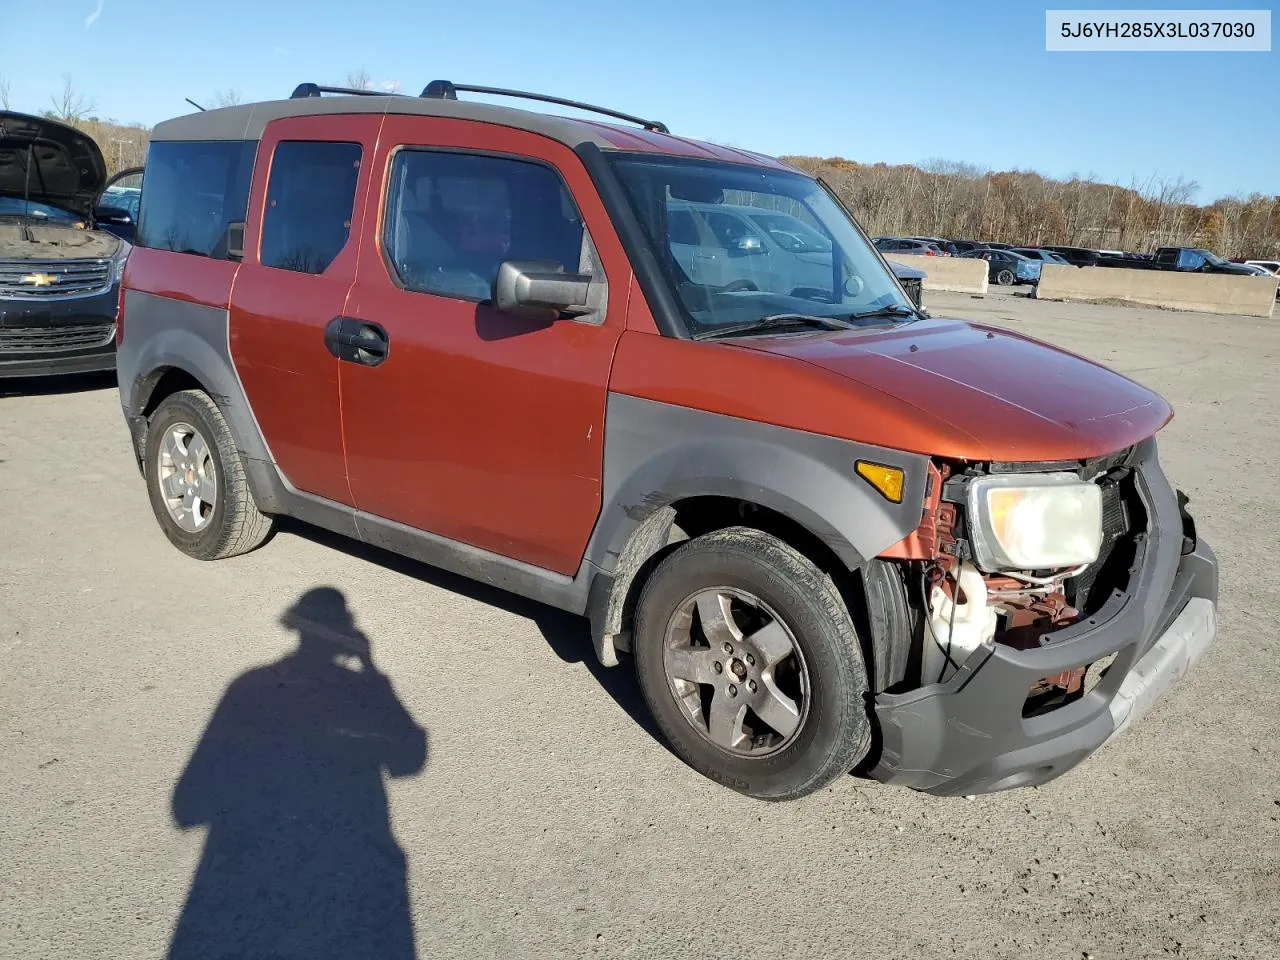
299	263
476	425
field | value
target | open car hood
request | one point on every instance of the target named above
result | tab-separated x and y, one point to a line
49	162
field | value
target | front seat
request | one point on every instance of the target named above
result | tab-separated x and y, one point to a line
425	256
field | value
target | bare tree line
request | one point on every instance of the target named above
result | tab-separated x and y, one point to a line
71	106
943	198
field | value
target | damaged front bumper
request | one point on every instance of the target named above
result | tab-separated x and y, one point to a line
968	735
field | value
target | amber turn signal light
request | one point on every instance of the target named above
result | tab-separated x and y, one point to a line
888	480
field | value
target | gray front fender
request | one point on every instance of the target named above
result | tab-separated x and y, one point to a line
657	454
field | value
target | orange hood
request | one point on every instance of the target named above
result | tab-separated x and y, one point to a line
1012	397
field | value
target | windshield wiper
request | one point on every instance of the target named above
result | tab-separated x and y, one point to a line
893	310
775	322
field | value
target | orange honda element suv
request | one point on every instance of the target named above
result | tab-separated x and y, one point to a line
832	532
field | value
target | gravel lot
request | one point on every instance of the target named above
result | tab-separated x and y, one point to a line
546	819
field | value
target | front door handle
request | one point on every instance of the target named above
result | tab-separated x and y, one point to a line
357	341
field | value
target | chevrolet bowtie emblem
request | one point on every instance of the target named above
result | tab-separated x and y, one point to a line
39	279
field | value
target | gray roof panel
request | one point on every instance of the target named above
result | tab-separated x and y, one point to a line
247	121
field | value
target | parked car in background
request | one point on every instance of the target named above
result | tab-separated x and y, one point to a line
1076	256
743	248
1197	260
59	270
964	246
1007	268
1271	266
909	246
1042	254
747	248
946	246
117	211
994	245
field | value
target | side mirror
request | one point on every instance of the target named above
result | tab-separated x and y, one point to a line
117	215
540	288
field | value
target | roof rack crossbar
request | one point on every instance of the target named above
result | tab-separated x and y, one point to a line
445	90
303	90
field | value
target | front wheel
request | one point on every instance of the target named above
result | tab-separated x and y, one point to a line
749	662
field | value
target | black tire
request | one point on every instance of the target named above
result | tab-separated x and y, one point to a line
236	525
1005	278
836	731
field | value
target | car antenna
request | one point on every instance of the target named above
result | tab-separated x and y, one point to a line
194	104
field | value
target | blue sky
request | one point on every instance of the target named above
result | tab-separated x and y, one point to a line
868	81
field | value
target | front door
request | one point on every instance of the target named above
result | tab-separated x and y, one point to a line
299	263
480	426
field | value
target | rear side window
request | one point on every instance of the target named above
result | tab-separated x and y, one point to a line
310	198
1190	260
452	218
192	190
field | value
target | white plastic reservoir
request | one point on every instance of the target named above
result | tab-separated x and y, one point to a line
974	625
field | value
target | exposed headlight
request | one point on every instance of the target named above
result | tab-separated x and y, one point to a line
1034	521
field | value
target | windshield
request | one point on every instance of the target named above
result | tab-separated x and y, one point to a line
1212	257
741	244
17	207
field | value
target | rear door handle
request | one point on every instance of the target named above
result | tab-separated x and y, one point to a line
357	341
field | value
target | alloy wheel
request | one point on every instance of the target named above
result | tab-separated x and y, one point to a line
187	477
736	671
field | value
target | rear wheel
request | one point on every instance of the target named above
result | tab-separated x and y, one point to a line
196	482
1005	278
751	665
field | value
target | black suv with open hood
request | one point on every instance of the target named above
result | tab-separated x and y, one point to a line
59	269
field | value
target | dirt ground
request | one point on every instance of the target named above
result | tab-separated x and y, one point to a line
158	729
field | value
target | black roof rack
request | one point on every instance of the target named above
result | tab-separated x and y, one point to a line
315	90
446	90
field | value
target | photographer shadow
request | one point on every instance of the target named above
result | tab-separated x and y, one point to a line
300	859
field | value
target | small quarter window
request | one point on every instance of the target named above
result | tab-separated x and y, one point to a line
310	199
